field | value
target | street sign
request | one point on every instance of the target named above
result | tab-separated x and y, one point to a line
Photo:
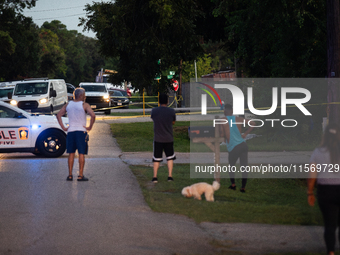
170	76
172	72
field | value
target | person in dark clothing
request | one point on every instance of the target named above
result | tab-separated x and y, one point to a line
236	145
163	118
324	171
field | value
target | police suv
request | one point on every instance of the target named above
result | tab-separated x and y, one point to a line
21	131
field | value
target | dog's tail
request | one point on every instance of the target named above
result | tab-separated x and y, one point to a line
216	185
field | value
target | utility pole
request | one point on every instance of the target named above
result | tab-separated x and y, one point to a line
333	60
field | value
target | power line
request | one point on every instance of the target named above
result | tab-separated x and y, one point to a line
66	8
62	16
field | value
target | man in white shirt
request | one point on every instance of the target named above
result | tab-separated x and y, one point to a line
77	137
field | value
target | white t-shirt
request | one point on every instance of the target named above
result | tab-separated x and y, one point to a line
77	116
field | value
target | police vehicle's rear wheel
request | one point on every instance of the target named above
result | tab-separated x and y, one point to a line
51	143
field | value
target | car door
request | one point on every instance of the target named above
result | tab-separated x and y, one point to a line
14	129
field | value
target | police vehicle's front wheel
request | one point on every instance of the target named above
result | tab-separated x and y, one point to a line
51	143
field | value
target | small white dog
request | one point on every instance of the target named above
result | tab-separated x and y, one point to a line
197	189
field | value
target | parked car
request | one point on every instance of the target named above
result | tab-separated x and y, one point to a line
119	97
70	89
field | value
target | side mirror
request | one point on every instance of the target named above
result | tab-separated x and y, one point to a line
53	93
9	95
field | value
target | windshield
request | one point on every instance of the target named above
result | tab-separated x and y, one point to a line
123	92
4	92
94	88
70	89
117	93
32	88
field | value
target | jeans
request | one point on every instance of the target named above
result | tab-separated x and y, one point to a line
240	151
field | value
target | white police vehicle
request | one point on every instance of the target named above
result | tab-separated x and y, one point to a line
21	131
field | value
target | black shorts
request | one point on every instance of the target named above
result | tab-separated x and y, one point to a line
158	149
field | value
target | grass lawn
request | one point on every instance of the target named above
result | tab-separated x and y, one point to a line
134	137
272	201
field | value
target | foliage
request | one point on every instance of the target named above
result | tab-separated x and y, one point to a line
16	5
285	38
50	51
21	51
82	58
203	65
142	32
221	58
53	58
7	46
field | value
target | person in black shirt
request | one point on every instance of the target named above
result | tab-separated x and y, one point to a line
163	118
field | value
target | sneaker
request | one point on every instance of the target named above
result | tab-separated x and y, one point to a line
170	179
154	180
232	187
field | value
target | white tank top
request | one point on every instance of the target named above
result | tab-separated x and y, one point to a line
76	116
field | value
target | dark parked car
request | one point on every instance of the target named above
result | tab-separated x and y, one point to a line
118	98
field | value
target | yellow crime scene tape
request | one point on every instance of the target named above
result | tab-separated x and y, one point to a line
180	98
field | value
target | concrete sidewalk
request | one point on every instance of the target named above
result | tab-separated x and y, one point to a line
42	213
284	157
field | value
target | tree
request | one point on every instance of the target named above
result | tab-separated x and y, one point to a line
19	48
284	38
333	57
82	56
142	32
53	58
203	65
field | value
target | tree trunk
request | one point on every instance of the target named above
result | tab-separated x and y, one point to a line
333	59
